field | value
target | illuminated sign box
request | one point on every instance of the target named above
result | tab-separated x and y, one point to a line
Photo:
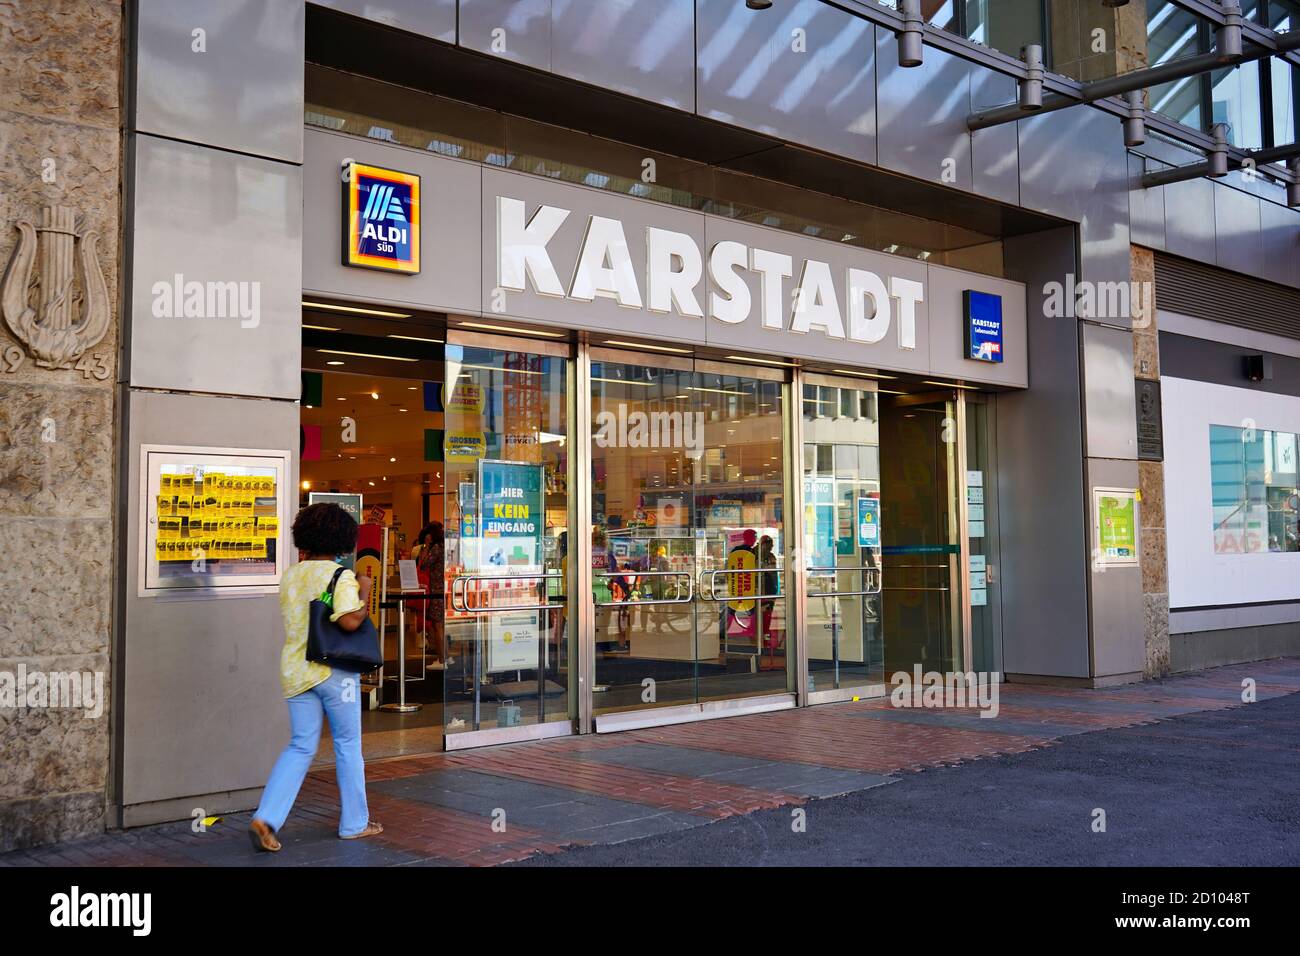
381	219
983	320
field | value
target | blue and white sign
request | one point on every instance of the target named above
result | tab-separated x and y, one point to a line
868	522
983	312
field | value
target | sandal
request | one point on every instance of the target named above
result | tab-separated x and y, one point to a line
372	829
263	837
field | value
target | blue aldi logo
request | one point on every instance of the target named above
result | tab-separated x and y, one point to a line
381	219
983	325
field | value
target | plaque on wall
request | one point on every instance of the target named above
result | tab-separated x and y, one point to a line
1150	430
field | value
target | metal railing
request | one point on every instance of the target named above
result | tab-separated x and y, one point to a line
460	588
869	573
690	588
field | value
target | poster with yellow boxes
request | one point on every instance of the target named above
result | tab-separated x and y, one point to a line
213	516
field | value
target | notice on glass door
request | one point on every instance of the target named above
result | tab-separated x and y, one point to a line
868	522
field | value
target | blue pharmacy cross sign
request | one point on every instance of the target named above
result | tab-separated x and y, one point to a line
983	311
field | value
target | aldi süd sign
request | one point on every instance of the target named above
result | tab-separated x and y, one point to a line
381	219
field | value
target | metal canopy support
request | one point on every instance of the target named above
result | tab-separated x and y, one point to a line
911	34
1218	163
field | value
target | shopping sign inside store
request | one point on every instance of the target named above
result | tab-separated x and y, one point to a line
839	303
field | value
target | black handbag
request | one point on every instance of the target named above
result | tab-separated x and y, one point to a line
329	644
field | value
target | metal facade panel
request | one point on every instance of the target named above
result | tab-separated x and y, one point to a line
804	72
1146	209
642	49
192	665
1040	482
242	91
430	18
1109	396
1189	219
1279	234
922	115
514	30
448	277
1118	607
1236	231
216	266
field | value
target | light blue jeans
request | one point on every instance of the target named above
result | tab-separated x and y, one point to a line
339	699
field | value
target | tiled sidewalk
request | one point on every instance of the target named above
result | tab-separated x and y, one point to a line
505	803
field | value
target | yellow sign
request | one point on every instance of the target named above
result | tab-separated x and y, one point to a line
466	399
464	446
744	585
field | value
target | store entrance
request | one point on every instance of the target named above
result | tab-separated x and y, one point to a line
687	497
371	426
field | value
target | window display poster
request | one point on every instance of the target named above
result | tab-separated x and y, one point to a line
868	522
348	502
819	524
514	641
725	513
1115	514
512	517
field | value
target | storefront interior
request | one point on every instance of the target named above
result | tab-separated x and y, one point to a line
432	423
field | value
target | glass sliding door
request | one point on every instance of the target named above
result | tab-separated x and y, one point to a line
686	502
507	451
921	550
842	540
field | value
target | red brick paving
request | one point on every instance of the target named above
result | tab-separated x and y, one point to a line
838	736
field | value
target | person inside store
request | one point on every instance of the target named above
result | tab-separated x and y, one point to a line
323	533
769	583
429	564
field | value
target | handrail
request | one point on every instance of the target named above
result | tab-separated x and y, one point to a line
690	587
869	573
708	592
463	592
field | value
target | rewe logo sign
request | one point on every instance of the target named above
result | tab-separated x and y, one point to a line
856	305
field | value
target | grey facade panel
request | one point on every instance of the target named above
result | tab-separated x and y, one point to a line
243	90
1189	219
1040	482
515	30
642	49
1279	233
1073	164
201	706
922	115
816	88
995	152
449	254
430	18
1236	231
1146	209
1109	397
216	265
1118	607
1279	244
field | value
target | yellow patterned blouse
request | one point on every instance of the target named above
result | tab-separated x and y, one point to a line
302	584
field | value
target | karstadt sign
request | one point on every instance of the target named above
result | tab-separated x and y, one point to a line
852	303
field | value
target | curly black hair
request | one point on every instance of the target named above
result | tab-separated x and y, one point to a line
324	529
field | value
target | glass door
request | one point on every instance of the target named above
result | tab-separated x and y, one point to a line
921	607
687	547
507	465
842	538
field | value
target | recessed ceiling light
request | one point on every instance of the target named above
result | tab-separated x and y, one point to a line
750	358
355	310
334	362
415	338
391	358
643	345
849	371
509	328
319	328
374	394
967	388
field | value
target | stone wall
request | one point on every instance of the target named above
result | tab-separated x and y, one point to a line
1151	485
60	115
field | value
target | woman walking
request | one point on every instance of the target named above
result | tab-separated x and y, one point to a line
323	532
